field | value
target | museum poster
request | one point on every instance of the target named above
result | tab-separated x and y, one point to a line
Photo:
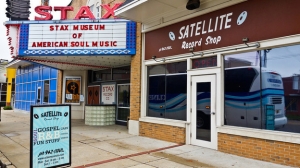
50	136
72	90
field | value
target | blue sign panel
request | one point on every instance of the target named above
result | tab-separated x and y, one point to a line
270	117
50	136
77	38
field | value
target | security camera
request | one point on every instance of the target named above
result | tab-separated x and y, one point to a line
193	4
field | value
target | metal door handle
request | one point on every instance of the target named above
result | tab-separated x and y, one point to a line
213	113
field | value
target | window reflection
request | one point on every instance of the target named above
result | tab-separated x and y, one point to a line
46	91
167	87
262	89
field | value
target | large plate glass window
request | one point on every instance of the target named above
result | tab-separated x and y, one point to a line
3	89
262	89
46	92
167	87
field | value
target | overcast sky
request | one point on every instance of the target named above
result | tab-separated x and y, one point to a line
4	50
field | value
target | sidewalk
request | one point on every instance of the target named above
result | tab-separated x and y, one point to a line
112	146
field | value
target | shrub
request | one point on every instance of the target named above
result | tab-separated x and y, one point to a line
7	108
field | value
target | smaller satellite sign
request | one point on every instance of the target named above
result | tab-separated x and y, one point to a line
50	136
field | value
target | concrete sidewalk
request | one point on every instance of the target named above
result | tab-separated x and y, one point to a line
112	146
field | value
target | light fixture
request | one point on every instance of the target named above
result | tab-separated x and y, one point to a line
246	39
193	4
154	58
192	50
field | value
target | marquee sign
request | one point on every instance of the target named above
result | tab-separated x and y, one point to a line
73	38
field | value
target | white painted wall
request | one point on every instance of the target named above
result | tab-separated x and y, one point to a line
2	74
77	111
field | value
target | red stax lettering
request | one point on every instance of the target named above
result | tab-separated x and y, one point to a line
108	88
110	11
84	12
42	10
63	11
59	27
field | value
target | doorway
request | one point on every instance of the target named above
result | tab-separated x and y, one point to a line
123	103
203	118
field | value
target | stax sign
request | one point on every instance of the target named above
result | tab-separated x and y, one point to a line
84	12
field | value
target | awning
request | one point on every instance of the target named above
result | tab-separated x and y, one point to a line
75	62
159	13
15	64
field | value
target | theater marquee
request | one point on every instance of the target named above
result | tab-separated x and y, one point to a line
73	38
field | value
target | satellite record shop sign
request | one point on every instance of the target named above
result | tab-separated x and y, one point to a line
50	136
75	38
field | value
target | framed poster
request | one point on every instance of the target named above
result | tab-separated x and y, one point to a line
72	89
50	136
108	93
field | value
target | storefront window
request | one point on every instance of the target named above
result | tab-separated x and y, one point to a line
121	73
167	87
3	89
35	89
102	75
46	91
262	89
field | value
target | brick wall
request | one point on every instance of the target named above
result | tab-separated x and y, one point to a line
163	132
59	87
266	150
135	78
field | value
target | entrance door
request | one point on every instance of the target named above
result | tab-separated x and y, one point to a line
123	102
93	95
204	111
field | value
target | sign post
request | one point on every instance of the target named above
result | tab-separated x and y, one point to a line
50	136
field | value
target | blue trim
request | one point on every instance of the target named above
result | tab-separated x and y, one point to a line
24	32
81	52
131	35
253	96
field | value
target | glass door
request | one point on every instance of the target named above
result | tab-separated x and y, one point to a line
203	111
123	103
